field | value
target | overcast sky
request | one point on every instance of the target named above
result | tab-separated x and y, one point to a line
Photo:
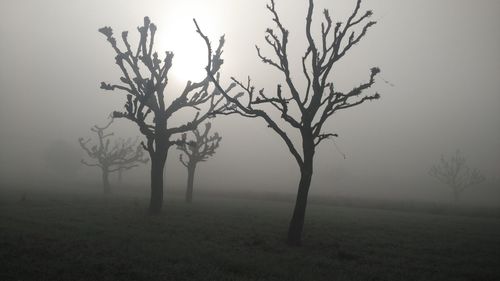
440	87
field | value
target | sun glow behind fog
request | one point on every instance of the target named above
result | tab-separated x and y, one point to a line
177	33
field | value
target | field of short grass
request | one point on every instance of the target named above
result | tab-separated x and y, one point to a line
63	237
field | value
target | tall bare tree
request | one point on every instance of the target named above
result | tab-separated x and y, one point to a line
111	157
144	80
454	172
304	110
196	151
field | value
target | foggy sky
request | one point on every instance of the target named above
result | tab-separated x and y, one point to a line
443	58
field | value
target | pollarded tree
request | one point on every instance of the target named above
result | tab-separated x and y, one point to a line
304	110
144	81
196	151
111	157
455	173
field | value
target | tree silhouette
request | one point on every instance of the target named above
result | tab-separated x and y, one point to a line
111	158
144	81
454	172
196	151
304	110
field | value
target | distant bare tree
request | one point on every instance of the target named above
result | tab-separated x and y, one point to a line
307	110
144	81
111	158
454	172
129	142
196	151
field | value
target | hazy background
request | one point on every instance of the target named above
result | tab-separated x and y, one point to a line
443	58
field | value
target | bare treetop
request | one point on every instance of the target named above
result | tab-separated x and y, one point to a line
128	146
121	155
320	99
125	153
201	148
453	171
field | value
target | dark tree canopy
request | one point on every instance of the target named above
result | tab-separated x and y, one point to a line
454	172
144	81
303	109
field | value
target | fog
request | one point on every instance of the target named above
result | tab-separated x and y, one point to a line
439	86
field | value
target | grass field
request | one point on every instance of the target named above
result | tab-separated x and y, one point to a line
63	237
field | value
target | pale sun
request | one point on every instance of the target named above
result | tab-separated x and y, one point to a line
178	34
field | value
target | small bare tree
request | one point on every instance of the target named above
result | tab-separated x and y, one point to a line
196	151
129	142
455	173
111	158
304	110
144	80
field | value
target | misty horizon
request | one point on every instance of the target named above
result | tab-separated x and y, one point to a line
439	94
249	140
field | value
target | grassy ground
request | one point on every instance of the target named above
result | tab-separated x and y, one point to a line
62	237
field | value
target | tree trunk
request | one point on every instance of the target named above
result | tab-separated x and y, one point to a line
190	181
156	201
299	212
105	181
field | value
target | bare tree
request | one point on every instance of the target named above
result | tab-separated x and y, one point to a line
196	151
111	158
144	82
304	110
129	142
455	173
